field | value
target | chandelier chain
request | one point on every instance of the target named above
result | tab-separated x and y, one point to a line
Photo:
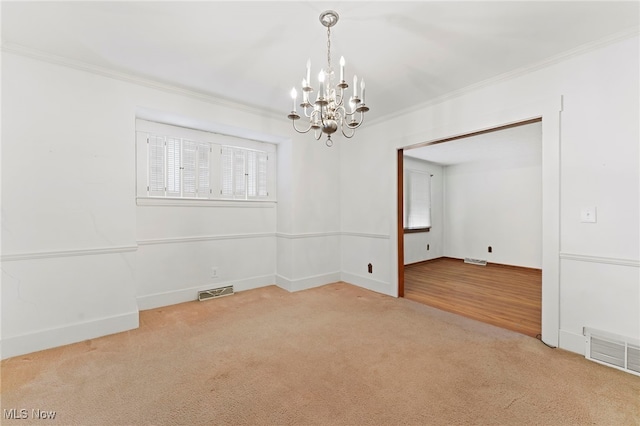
329	48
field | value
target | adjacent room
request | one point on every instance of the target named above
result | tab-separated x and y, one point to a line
203	212
473	236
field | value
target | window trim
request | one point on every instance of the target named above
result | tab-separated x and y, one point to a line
416	230
203	202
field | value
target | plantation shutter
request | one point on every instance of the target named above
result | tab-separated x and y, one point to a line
227	172
174	181
189	154
156	160
257	174
252	188
262	175
239	185
204	176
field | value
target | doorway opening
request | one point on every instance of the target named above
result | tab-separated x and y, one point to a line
493	212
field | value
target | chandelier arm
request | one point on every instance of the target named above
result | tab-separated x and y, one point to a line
323	116
307	114
300	131
361	120
340	100
345	134
342	129
350	116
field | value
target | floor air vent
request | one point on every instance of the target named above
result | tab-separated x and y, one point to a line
215	292
612	350
475	261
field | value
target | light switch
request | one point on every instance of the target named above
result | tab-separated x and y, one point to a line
588	215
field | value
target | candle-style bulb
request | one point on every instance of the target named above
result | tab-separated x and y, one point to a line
355	86
341	68
321	80
362	89
308	70
294	96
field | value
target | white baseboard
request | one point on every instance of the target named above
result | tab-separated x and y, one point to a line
572	342
307	282
284	283
60	336
369	284
174	297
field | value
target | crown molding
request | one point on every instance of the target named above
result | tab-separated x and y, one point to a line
17	49
136	79
518	72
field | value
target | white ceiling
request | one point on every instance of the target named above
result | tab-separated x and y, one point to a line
508	145
253	52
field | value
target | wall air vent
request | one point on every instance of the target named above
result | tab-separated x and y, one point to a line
215	292
475	261
615	351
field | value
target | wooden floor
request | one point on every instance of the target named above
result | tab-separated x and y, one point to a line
505	296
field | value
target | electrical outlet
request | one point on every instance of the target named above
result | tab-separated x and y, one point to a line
427	247
214	272
370	268
588	215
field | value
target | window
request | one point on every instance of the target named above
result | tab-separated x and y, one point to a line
178	167
417	199
244	173
175	162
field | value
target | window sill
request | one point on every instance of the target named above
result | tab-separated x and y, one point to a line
416	230
193	202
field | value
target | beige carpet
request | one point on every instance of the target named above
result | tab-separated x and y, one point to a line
332	355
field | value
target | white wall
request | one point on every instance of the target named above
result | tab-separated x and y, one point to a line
590	158
68	209
309	224
496	203
178	247
415	244
80	257
77	253
367	184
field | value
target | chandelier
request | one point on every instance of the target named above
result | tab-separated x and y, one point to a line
328	112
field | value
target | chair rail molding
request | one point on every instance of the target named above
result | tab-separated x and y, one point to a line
11	257
598	259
